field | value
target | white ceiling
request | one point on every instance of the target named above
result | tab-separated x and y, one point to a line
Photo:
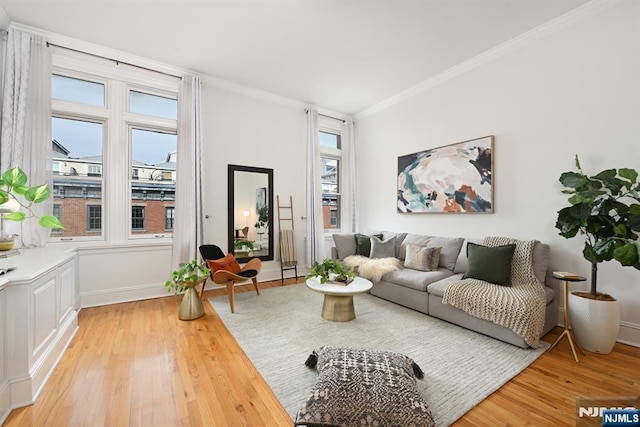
342	55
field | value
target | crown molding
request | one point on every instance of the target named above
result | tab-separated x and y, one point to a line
118	55
550	27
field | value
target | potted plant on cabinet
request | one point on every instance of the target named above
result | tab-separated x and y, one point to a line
605	209
186	278
13	183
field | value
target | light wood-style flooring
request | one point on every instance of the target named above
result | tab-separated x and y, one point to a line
136	364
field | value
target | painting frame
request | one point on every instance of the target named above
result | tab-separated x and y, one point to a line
453	178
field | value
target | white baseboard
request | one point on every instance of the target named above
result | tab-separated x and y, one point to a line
5	401
157	290
119	295
629	332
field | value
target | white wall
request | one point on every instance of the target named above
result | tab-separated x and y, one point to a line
248	131
575	91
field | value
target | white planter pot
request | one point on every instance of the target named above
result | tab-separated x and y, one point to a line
595	323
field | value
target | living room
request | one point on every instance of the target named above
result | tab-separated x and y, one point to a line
566	86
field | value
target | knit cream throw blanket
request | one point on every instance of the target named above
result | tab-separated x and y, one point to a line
520	307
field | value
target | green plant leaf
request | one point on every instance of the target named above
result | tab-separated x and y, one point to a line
14	177
15	216
627	254
629	174
20	189
50	221
573	179
603	250
567	224
590	255
4	197
38	194
608	173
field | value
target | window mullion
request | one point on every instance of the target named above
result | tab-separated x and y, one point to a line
118	209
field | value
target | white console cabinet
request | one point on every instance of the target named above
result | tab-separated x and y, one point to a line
38	317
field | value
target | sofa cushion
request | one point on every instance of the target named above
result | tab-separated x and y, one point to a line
490	264
422	258
345	244
541	261
363	244
415	279
413	239
383	249
462	263
437	288
450	250
389	234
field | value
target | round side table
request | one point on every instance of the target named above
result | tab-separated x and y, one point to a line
567	328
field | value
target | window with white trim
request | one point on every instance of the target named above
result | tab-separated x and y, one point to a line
330	170
114	136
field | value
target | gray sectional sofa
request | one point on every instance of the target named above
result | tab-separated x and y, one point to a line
423	290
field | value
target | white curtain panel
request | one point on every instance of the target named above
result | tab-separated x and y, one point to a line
348	175
26	123
188	231
315	221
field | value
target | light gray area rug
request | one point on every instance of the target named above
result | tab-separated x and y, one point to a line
280	328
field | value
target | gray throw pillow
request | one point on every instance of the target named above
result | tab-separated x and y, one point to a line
422	258
380	249
490	264
345	244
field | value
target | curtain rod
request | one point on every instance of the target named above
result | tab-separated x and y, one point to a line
329	117
117	61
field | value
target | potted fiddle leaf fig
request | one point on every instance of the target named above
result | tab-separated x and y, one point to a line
605	210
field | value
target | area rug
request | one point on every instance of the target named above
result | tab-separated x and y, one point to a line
280	327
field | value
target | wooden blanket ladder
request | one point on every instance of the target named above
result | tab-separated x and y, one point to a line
288	259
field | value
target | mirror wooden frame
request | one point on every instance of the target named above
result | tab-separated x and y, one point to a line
231	208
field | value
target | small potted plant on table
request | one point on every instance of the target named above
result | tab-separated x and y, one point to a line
331	270
186	278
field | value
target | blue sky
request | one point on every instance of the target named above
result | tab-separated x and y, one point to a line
84	139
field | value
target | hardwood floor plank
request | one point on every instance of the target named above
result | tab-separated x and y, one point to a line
137	364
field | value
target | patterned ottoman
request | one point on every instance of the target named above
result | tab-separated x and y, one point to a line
364	388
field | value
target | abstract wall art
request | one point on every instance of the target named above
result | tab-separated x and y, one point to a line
456	178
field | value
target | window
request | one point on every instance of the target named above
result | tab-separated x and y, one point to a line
57	212
169	213
137	218
94	170
77	90
156	181
114	136
330	157
94	218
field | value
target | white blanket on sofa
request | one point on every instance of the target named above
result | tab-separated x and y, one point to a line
372	268
520	308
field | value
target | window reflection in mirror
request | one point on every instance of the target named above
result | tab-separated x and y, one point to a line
250	212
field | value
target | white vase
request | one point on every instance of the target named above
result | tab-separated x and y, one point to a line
595	323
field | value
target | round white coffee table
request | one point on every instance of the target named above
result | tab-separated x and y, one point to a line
338	299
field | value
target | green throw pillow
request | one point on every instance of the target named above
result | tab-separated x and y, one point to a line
491	264
363	244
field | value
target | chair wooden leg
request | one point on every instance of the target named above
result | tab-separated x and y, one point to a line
202	290
230	294
255	284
